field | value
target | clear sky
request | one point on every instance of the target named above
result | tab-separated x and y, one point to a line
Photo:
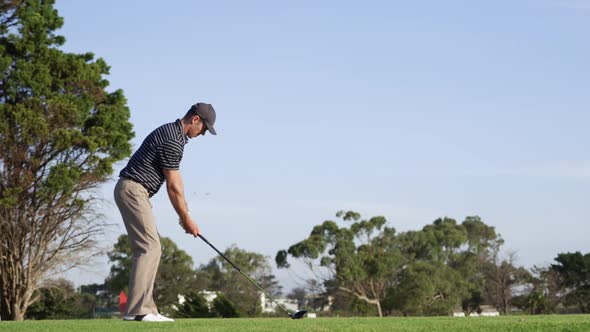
413	110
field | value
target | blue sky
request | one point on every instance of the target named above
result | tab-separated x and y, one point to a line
410	110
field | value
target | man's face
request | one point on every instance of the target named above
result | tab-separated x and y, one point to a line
198	127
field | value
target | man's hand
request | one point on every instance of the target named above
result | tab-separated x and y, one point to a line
189	226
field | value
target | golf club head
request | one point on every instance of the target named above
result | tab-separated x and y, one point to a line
298	314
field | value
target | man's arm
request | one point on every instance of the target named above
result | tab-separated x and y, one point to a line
175	190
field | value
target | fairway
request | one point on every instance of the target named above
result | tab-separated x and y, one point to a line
569	323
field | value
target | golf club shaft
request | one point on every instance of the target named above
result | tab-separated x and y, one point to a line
245	275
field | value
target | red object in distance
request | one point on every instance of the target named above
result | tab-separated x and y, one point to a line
122	302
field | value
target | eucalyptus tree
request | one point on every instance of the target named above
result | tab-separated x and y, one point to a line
467	252
360	259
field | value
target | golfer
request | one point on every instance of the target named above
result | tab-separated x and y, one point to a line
157	160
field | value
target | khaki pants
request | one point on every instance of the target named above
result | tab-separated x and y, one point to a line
135	207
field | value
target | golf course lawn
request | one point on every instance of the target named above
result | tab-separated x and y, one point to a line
563	323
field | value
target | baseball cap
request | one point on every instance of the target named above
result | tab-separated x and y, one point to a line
207	113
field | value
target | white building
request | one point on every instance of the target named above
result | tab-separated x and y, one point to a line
269	306
208	295
486	311
489	311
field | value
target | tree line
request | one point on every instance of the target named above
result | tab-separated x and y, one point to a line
362	268
176	276
367	268
61	131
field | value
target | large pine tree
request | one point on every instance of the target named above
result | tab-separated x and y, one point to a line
60	133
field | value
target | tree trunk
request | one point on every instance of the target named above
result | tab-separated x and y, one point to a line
379	312
17	314
10	310
14	298
506	305
3	307
362	296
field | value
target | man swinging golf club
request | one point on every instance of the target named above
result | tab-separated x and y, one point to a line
156	161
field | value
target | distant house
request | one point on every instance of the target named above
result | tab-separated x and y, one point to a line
269	306
488	311
266	304
310	302
208	295
485	311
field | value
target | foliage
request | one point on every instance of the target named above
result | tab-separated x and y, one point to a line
426	272
224	308
58	300
501	278
361	258
533	303
219	276
175	273
298	294
427	288
120	258
176	276
105	302
545	293
194	306
468	248
574	272
61	133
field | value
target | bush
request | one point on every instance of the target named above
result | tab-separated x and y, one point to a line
222	307
194	306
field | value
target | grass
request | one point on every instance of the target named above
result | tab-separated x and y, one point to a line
563	323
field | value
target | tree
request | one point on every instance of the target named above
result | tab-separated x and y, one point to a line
482	240
120	257
224	308
574	272
433	282
427	288
230	284
59	300
501	279
446	237
175	273
361	259
483	245
299	295
104	300
466	248
194	306
546	293
61	132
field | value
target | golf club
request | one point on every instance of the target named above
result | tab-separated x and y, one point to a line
296	315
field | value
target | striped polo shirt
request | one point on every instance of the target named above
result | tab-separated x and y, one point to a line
161	149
